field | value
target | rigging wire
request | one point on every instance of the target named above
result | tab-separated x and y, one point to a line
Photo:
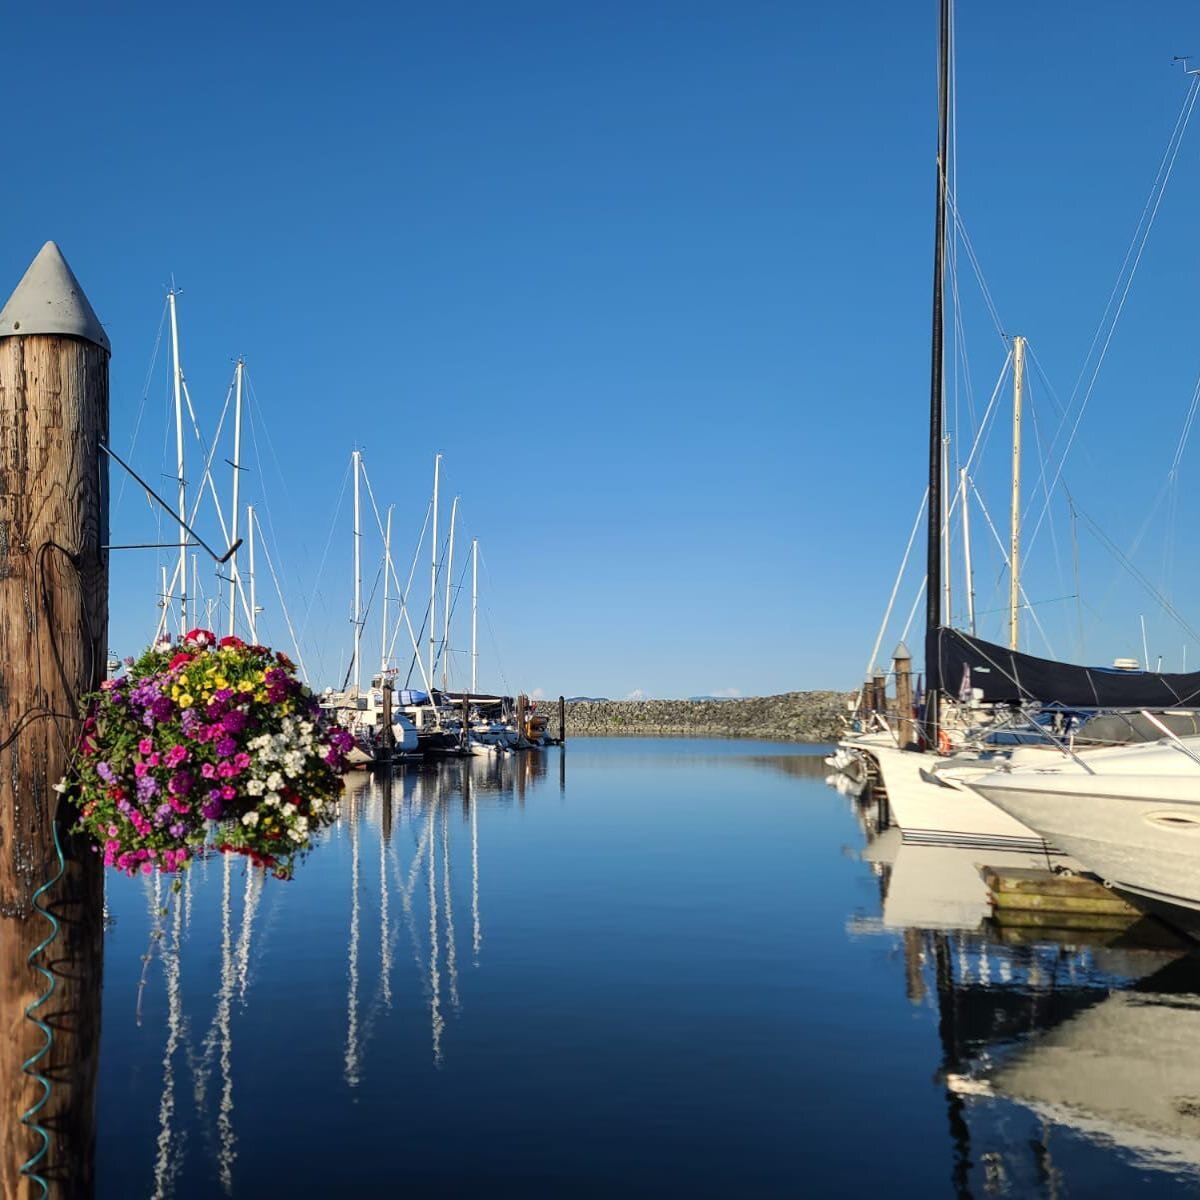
1128	272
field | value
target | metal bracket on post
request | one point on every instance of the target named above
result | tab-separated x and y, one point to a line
218	558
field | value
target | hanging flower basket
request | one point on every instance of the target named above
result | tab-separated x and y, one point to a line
205	745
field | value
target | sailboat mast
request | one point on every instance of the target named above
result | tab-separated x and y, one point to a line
177	380
474	614
933	558
387	575
250	522
237	472
966	528
357	457
433	558
1014	548
449	580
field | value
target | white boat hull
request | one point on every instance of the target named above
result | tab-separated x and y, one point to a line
947	813
1140	833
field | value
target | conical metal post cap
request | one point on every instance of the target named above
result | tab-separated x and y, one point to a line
49	300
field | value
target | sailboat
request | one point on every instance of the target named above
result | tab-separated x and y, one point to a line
926	785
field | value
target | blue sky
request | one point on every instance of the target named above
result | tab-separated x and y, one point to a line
654	278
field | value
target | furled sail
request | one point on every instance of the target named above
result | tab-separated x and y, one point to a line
957	663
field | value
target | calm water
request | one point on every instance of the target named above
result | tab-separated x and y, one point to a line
658	968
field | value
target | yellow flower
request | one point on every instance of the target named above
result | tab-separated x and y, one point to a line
185	700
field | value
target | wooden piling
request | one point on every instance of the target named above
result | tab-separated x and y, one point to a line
522	706
880	701
562	721
906	732
464	736
387	738
53	648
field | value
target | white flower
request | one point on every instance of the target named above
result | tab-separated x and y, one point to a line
288	809
274	781
254	787
295	835
251	818
273	799
317	805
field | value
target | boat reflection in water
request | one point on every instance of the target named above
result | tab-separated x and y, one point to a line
406	881
1049	1041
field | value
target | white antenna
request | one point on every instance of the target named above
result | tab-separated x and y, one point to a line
1145	647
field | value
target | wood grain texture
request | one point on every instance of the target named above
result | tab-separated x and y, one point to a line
53	647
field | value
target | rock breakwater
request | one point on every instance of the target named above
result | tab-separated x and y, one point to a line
791	717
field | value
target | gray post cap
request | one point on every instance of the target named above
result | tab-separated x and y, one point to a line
902	652
49	300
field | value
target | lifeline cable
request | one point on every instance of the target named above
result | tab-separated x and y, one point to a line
28	1117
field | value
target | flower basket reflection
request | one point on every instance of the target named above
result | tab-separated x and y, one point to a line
205	745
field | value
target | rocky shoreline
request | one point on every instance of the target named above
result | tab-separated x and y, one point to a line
791	717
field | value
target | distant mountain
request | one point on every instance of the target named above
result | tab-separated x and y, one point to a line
716	698
587	699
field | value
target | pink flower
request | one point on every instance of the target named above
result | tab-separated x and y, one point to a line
228	792
176	755
140	769
154	759
207	770
145	746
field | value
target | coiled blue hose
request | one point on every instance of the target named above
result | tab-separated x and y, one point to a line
29	1116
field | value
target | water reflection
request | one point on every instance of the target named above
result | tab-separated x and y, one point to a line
1049	1039
427	818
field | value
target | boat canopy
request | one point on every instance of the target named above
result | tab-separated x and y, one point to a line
959	663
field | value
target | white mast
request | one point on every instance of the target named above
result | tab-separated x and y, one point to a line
474	613
237	472
357	459
387	574
1014	551
966	527
449	580
196	587
433	557
948	615
177	376
253	600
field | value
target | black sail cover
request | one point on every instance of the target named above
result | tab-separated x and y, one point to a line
957	662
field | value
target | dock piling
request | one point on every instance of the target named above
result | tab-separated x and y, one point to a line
53	647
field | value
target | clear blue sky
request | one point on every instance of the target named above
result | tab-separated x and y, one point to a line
653	277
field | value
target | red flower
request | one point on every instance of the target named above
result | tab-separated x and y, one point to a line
199	637
179	659
235	642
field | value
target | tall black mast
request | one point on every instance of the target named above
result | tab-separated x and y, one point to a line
933	568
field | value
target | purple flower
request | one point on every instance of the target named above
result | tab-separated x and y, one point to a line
162	812
162	708
105	772
212	807
181	783
191	722
234	721
177	829
226	746
147	786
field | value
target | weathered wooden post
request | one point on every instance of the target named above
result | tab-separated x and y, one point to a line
387	738
465	732
905	727
522	704
562	721
53	648
880	687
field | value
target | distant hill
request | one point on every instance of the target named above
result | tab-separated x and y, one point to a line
719	697
587	699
